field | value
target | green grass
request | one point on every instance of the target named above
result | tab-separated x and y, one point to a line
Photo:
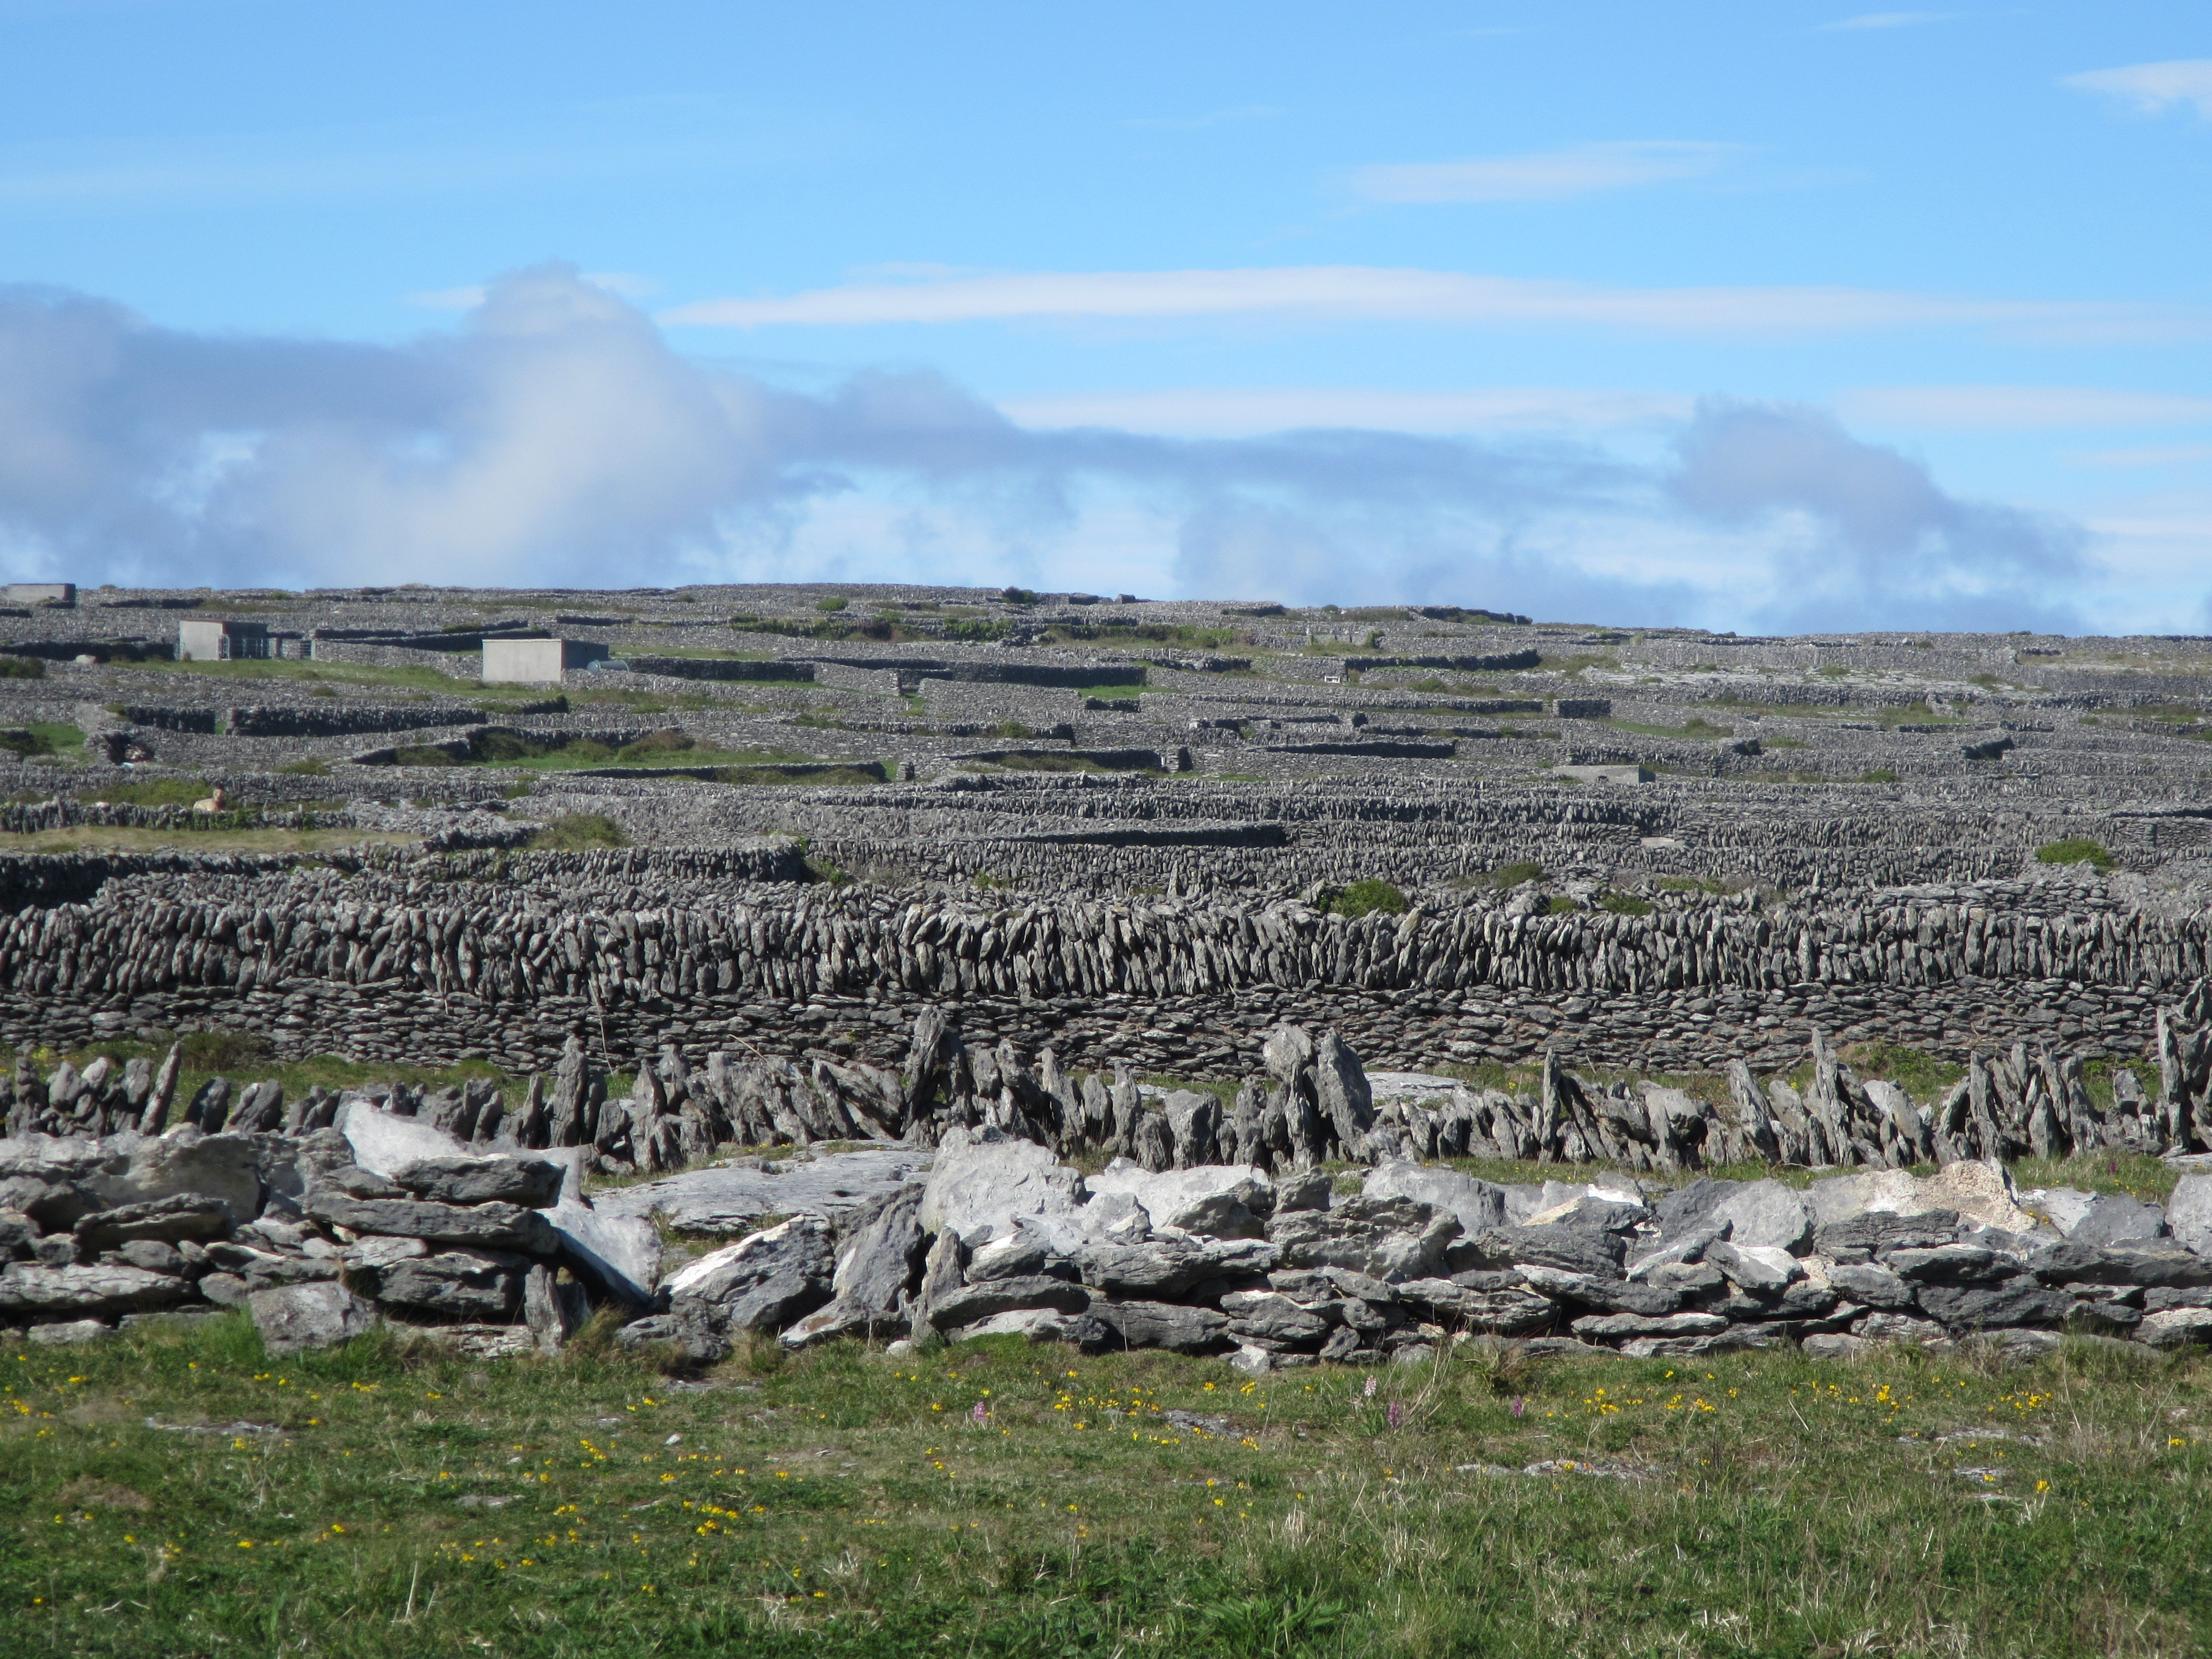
1112	693
843	1503
155	792
1689	885
2075	849
1695	727
579	832
43	738
1365	897
1625	904
1504	876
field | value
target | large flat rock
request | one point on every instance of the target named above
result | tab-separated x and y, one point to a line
732	1200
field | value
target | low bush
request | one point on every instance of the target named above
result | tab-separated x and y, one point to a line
579	832
2075	849
1365	897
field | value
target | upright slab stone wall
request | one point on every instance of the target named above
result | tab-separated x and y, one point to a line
1183	986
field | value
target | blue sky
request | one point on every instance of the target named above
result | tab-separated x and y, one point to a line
1751	315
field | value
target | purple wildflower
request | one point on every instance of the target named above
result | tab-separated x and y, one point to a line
1397	1414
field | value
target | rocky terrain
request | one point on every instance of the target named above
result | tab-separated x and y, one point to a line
988	962
1304	1221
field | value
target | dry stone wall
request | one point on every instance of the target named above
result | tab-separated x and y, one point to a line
1182	986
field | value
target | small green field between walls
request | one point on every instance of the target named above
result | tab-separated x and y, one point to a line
181	1493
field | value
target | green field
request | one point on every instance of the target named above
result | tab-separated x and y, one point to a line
1006	1499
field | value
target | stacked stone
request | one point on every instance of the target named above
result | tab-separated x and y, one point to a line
318	1234
1002	1239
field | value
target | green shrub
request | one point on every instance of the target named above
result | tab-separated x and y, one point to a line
155	792
22	742
579	832
1364	897
1559	905
225	1051
831	604
1625	904
653	744
22	668
2075	849
1880	774
421	755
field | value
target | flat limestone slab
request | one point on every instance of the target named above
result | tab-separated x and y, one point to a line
732	1200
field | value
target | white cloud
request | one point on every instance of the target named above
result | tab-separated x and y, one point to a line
556	437
2020	407
2152	87
1372	294
1550	175
1250	412
1885	20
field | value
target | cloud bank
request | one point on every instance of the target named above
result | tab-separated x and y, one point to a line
1390	294
2153	89
556	438
1550	175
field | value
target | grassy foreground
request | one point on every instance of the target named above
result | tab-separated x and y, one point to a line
179	1493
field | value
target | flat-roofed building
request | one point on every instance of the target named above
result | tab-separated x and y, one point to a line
42	592
537	662
209	639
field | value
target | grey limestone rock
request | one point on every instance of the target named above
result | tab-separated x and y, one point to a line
1873	1232
1220	1200
184	1161
1271	1318
1080	1330
2188	1213
982	1182
292	1317
2147	1263
688	1327
483	1227
30	1288
1763	1214
180	1216
1871	1286
1756	1268
764	1281
1341	1089
620	1253
2016	1301
844	1316
1387	1239
1163	1268
1886	1327
1477	1204
972	1303
533	1183
1572	1249
480	1286
1140	1324
1950	1264
880	1254
51	1200
1605	1326
2176	1327
554	1308
68	1333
